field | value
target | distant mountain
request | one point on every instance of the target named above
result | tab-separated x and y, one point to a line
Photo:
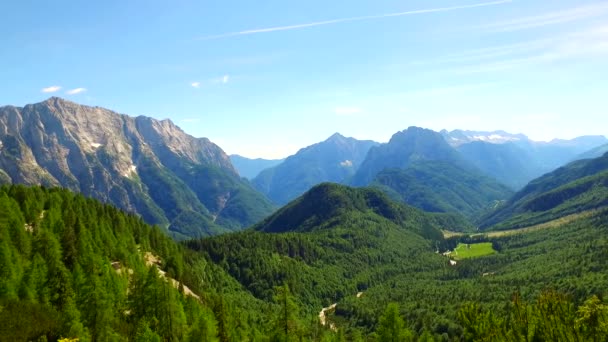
250	168
141	165
406	147
333	160
514	159
556	153
593	153
509	163
437	186
578	186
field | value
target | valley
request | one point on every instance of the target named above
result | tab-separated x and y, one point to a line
352	234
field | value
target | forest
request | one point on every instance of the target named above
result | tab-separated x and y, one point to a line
74	268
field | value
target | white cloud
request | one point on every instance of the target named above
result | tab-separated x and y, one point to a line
51	89
225	79
195	84
351	19
347	111
76	91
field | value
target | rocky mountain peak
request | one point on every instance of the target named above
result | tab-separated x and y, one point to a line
139	164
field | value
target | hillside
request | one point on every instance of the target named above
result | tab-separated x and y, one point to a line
578	186
142	165
593	153
330	242
347	255
442	187
250	168
508	163
333	160
73	267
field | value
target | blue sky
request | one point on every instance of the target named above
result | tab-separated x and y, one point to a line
265	78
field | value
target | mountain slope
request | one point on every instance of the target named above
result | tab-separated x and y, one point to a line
333	160
250	168
442	187
593	153
331	241
350	256
578	186
508	163
404	148
71	267
141	165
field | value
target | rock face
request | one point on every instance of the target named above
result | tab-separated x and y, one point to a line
141	165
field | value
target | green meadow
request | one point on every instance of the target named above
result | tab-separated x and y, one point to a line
473	250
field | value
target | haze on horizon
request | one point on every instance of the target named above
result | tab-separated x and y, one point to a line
265	79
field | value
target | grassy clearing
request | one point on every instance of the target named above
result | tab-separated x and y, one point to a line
473	250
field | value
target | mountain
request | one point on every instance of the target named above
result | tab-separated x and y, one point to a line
593	153
438	186
508	163
333	160
405	147
579	186
325	205
514	159
250	168
328	242
141	165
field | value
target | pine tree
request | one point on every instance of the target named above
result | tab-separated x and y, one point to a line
391	327
287	325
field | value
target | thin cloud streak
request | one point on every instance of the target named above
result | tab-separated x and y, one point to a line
352	19
551	18
76	91
589	43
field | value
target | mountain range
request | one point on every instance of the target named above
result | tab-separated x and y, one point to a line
192	188
325	266
514	159
139	164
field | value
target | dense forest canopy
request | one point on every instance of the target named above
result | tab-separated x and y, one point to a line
71	267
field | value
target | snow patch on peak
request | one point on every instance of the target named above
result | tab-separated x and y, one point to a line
95	145
494	138
347	163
